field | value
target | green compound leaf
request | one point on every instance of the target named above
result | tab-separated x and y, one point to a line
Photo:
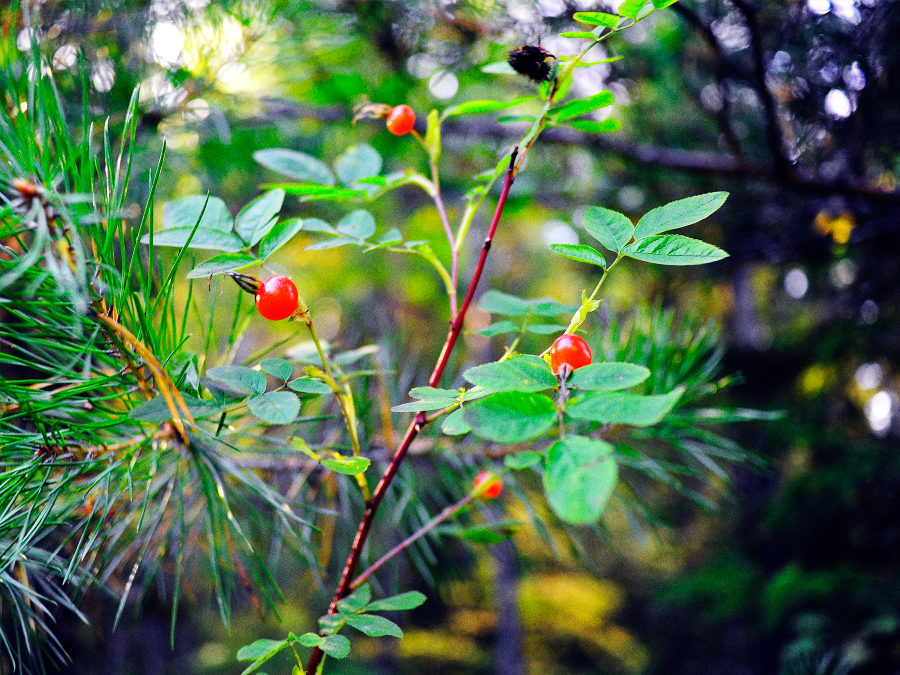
611	228
296	165
609	376
581	253
224	262
278	236
356	600
607	126
259	216
677	214
201	238
583	106
359	224
276	407
455	424
359	162
580	477
348	466
240	378
620	408
305	385
336	646
277	368
522	373
475	107
374	626
673	249
184	213
395	603
597	18
511	417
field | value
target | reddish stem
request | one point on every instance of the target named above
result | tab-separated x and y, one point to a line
418	423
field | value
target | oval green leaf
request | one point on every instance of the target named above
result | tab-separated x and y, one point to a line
579	479
225	262
278	236
607	126
276	407
680	213
374	626
359	224
359	162
511	417
621	408
395	603
673	249
259	216
239	377
610	376
583	106
296	165
522	373
581	253
611	228
185	212
215	240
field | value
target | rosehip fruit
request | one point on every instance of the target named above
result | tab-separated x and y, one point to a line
401	120
571	350
494	485
277	298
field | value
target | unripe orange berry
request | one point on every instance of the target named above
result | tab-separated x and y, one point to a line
494	485
401	120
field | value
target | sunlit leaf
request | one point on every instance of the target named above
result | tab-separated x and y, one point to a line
607	126
349	466
597	18
583	106
356	600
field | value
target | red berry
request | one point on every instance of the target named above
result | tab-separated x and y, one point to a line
494	485
569	349
401	120
277	298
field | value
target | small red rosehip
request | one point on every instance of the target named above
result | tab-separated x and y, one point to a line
571	350
277	298
401	120
494	485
